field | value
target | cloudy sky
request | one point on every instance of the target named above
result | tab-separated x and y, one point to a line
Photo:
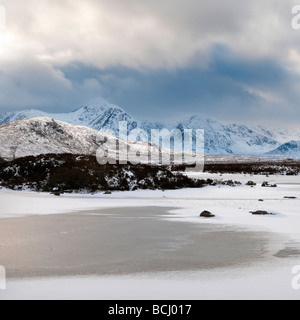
231	60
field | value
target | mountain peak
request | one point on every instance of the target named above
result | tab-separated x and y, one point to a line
92	116
98	107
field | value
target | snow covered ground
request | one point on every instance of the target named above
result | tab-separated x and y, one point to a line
232	206
262	282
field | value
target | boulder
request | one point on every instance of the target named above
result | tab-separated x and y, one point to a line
269	185
56	193
206	214
261	213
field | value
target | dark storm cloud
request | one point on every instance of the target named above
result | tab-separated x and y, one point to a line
259	72
229	87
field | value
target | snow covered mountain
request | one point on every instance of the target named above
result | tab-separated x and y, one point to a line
230	139
220	138
290	149
43	135
35	136
106	116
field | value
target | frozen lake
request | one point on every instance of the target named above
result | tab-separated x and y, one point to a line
120	242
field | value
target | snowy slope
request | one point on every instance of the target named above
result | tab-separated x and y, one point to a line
290	149
220	138
42	135
230	139
35	136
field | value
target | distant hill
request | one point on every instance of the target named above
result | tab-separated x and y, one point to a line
290	149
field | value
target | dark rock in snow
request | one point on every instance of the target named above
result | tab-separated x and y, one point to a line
262	213
269	185
56	193
206	214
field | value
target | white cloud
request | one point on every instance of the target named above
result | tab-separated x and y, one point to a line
151	34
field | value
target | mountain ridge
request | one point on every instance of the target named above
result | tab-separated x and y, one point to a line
220	138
